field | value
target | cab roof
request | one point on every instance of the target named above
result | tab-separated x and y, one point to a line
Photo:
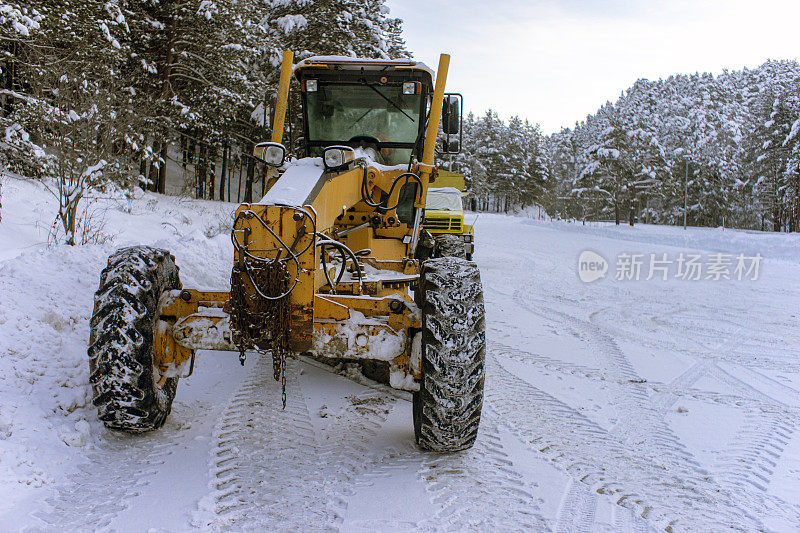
353	63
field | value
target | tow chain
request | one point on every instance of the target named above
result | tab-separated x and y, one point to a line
257	322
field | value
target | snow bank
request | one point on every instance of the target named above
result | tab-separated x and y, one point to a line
46	299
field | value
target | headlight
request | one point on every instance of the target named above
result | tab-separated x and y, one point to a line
412	87
338	156
270	153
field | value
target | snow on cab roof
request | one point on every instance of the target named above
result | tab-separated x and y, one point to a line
357	62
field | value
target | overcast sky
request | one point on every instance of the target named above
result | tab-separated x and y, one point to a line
555	61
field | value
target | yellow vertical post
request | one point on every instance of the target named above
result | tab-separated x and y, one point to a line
426	165
283	97
279	117
436	114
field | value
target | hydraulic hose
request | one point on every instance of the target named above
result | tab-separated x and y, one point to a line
379	205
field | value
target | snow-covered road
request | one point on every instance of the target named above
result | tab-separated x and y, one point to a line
617	405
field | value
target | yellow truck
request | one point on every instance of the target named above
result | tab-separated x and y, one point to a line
444	217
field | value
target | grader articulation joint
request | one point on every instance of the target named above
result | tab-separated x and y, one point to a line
329	262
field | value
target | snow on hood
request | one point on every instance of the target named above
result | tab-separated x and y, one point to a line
369	155
296	184
302	175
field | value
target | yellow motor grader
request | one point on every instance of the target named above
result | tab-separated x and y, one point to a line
331	262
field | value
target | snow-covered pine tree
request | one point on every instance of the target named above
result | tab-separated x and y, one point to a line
607	170
394	32
527	168
539	186
774	103
492	162
19	24
563	152
192	73
792	144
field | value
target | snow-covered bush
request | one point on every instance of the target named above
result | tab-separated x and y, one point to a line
73	126
219	223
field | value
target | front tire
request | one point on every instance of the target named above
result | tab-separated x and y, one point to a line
123	377
447	407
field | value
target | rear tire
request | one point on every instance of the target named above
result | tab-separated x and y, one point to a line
123	378
447	407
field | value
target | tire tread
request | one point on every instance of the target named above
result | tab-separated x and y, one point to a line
121	339
447	408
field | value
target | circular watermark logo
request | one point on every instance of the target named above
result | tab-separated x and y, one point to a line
591	266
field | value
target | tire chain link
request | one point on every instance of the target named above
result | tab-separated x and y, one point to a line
258	323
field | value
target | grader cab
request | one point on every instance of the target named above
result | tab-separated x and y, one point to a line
331	262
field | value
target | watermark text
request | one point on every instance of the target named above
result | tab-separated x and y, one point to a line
662	266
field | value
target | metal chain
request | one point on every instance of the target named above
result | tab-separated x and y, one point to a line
261	323
283	377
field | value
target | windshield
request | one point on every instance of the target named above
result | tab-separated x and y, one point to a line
341	114
443	200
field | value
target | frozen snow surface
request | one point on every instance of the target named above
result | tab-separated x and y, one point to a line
610	406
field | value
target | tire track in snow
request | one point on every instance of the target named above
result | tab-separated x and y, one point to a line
706	328
655	486
121	468
401	461
640	421
756	448
479	489
750	461
664	395
118	471
581	511
624	520
577	511
547	362
749	399
269	472
746	467
706	336
770	422
759	446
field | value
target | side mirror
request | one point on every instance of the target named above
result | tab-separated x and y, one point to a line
451	147
273	154
451	116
